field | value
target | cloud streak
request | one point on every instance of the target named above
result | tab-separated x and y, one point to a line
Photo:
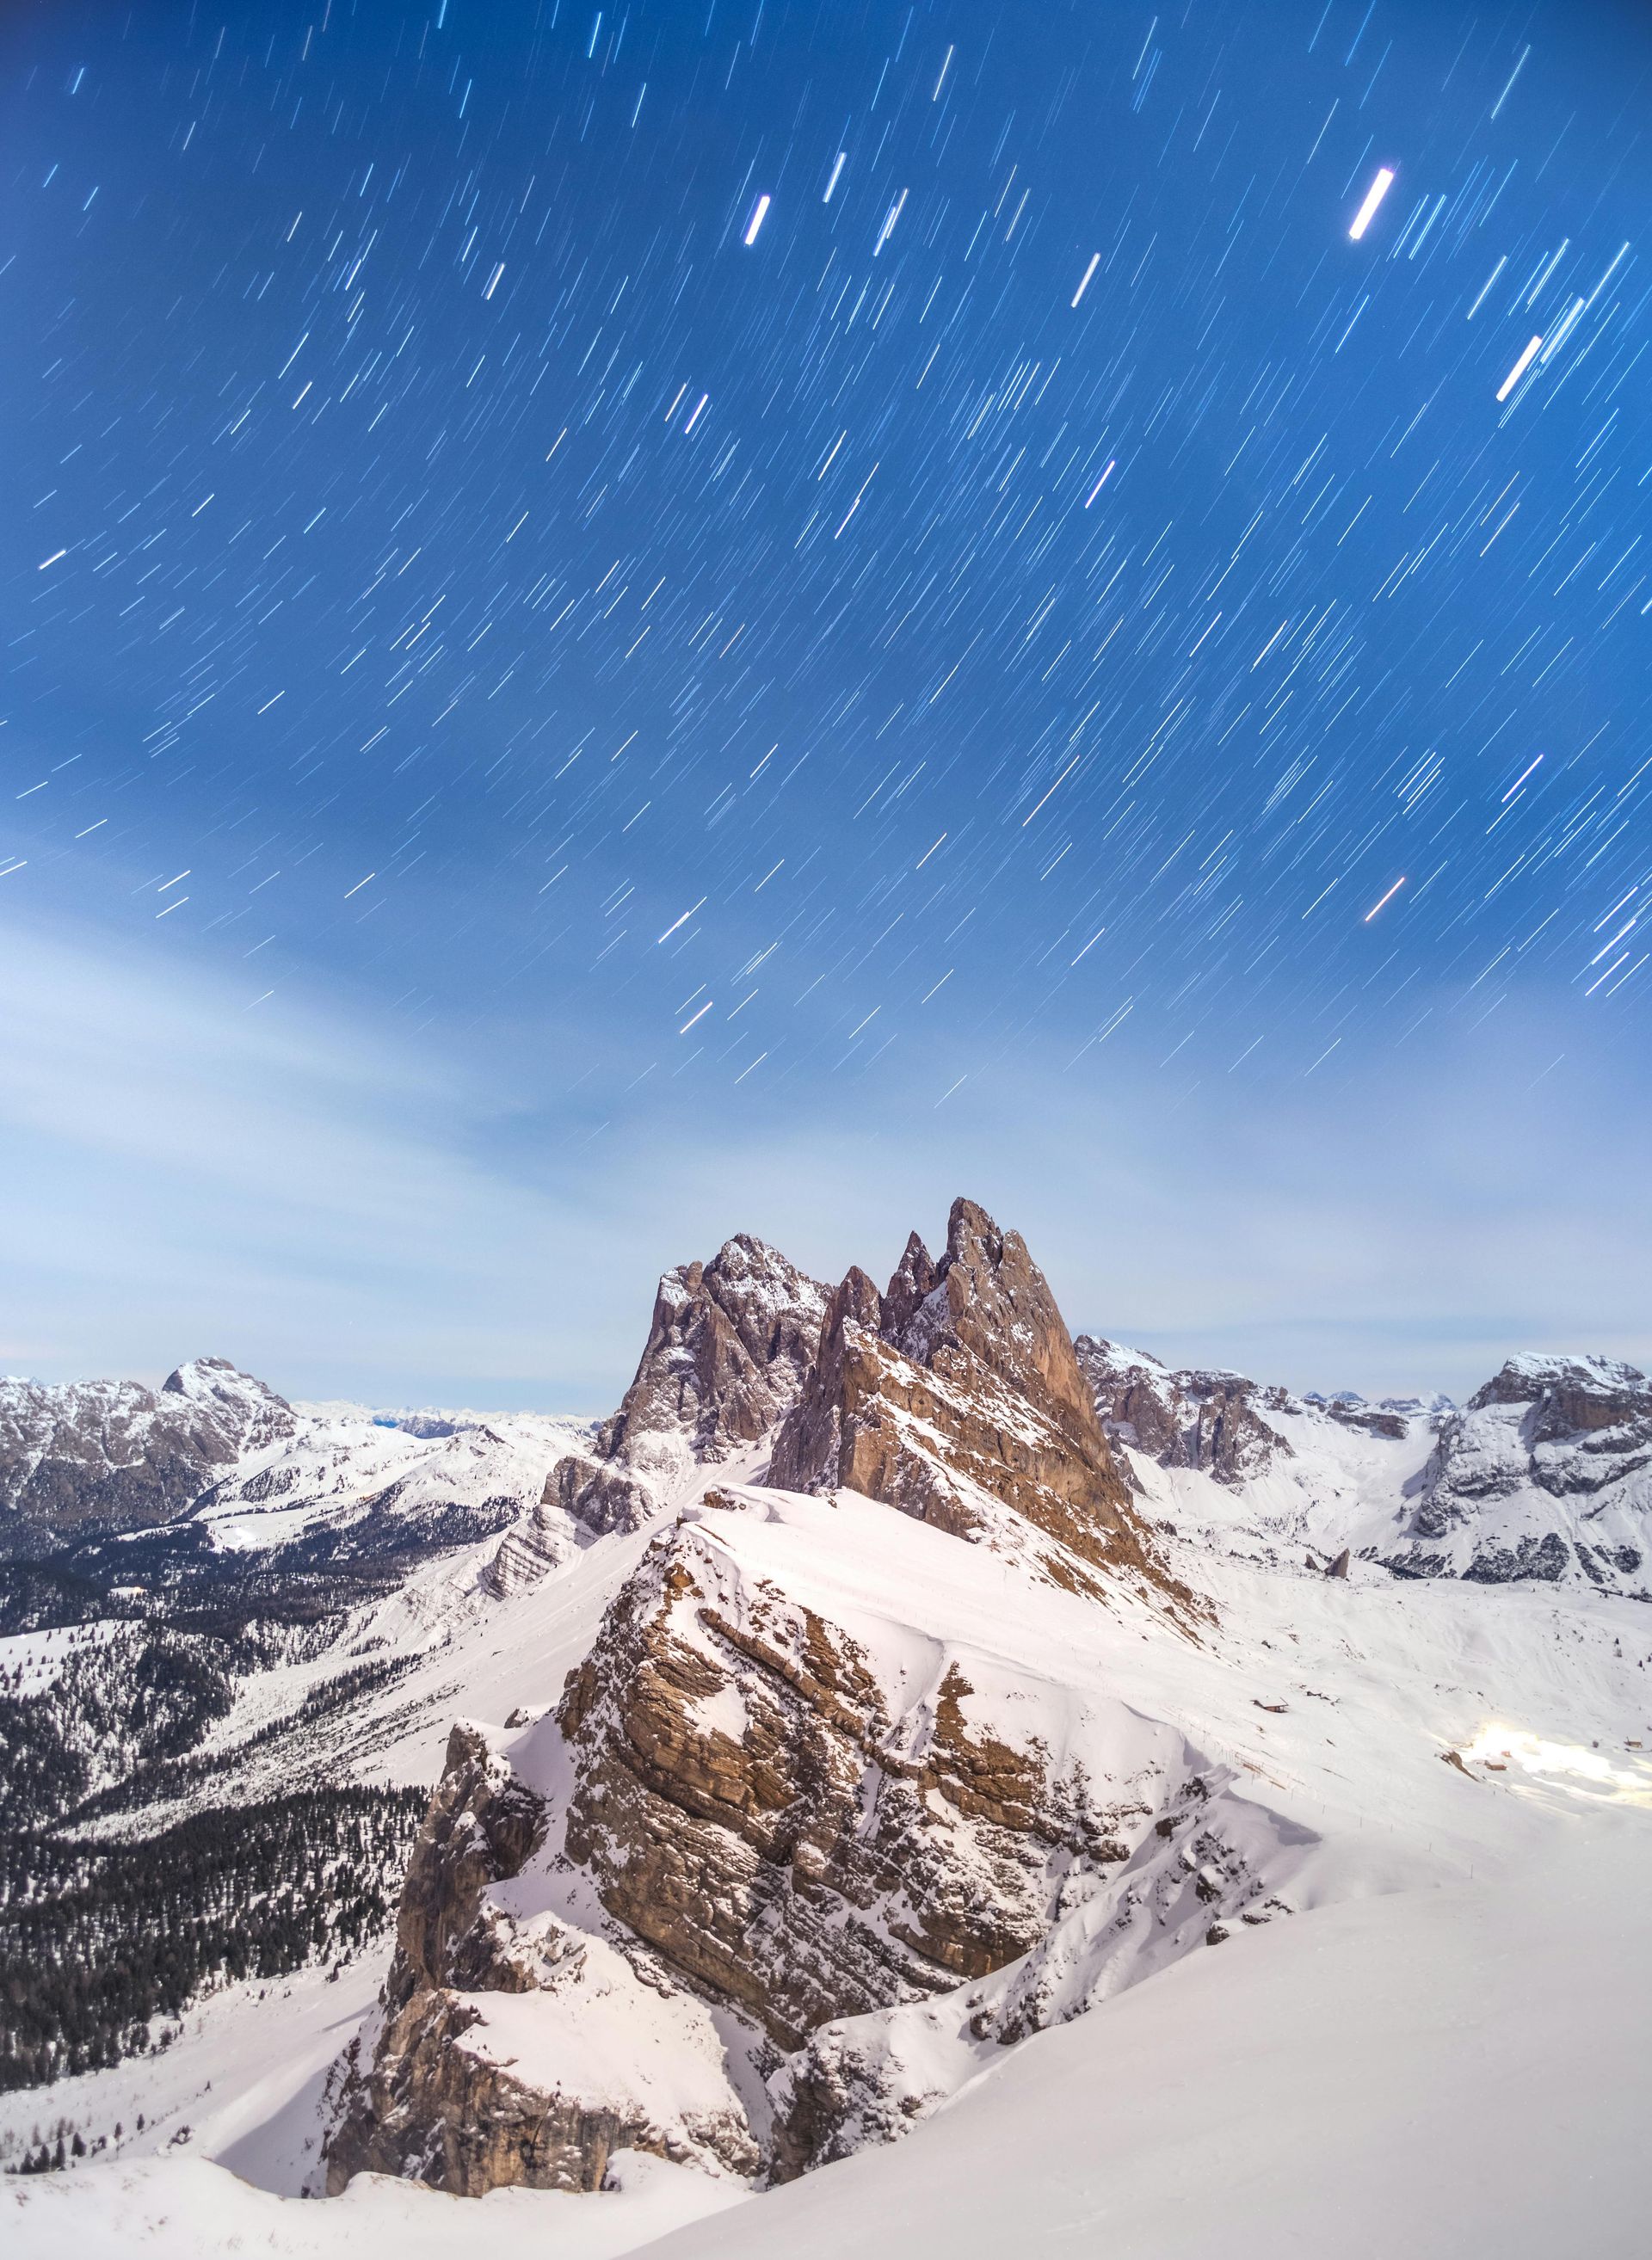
352	1211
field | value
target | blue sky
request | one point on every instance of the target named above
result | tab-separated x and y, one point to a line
541	732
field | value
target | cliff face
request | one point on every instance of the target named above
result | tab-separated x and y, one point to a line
727	1349
957	1398
447	2086
751	1799
823	1770
1215	1422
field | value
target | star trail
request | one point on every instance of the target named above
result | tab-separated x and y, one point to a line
833	552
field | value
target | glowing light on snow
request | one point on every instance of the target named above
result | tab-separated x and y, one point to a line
1373	195
1518	370
757	219
1388	897
1589	1770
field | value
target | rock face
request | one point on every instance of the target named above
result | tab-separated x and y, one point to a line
779	1810
728	1350
105	1456
957	1398
437	2090
745	1804
1185	1418
1198	1871
1545	1473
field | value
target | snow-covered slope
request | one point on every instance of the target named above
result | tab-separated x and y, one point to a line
347	1482
1428	1922
1453	2075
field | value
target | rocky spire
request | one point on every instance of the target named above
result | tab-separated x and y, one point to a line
730	1343
956	1396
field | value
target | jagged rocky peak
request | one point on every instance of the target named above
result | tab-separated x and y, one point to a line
1184	1419
956	1396
729	1345
988	1298
728	1350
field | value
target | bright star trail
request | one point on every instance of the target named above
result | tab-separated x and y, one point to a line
1026	520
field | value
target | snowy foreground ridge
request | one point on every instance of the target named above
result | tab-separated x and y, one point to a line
907	1782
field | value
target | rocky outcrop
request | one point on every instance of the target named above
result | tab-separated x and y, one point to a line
95	1457
436	2089
730	1343
956	1396
1184	1419
583	1498
773	1805
744	1802
1190	1880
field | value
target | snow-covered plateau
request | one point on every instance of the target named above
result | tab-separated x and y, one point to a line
907	1782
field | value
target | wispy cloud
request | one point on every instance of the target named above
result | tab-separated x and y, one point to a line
353	1210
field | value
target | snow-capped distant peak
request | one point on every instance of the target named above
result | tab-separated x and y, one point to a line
1531	1374
216	1381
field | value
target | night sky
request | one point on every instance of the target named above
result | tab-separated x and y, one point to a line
623	625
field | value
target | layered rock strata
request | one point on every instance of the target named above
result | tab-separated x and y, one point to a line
447	2085
771	1806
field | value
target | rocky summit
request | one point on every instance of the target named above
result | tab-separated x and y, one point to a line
747	1805
956	1396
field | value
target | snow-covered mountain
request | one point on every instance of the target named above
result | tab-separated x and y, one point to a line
96	1456
1545	1474
851	1751
215	1484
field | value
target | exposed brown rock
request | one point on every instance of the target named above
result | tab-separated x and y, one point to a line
802	1866
728	1346
730	1342
957	1390
1185	1418
412	2099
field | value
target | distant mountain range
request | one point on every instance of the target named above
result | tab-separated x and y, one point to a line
214	1484
217	1492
